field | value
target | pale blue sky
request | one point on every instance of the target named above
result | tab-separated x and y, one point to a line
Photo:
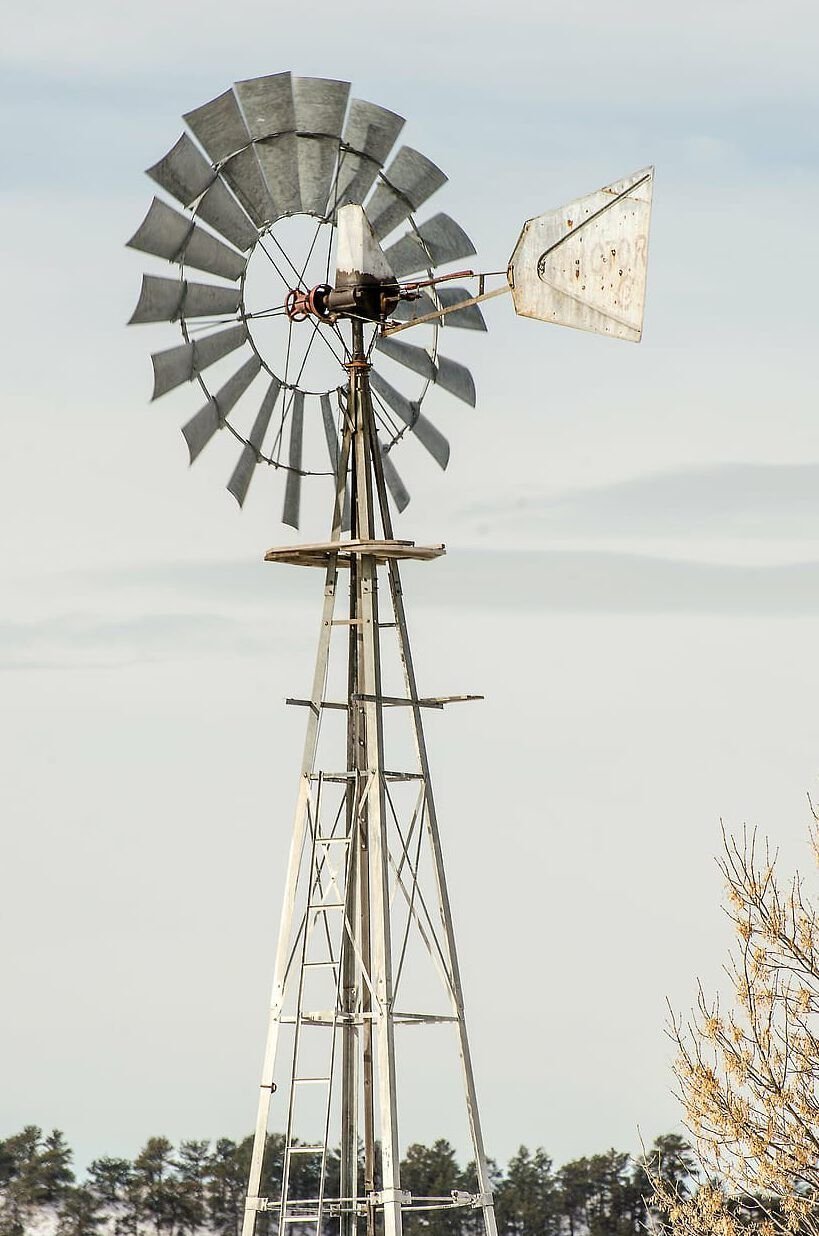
647	652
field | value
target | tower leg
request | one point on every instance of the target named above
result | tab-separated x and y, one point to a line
456	988
253	1202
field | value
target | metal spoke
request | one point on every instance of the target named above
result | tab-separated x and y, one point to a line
273	262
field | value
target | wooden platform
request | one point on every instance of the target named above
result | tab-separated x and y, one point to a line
319	555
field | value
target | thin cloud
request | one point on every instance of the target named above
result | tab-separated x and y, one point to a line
218	611
737	500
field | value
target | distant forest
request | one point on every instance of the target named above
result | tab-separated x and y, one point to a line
200	1187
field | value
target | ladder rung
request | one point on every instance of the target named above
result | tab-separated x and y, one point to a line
311	1081
307	1150
302	1218
318	965
332	840
325	905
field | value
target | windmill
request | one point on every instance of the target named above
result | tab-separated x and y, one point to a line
306	356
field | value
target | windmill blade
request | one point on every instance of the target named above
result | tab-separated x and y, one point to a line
424	430
369	135
186	174
469	318
404	186
292	489
446	373
219	127
456	379
320	106
166	233
221	210
585	265
201	427
331	435
178	365
165	300
279	162
436	242
243	472
243	173
267	105
330	432
409	310
184	171
408	355
269	110
398	490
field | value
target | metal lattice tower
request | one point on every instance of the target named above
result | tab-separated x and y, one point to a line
366	951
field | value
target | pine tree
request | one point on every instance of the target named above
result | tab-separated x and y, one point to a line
432	1171
193	1165
53	1168
108	1180
527	1198
19	1160
151	1191
225	1189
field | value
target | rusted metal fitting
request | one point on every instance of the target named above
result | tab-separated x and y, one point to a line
300	305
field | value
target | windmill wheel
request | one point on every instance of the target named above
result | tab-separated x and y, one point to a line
262	178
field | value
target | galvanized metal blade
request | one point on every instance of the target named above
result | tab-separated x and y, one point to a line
219	126
243	173
369	135
402	187
243	472
320	105
330	431
184	171
166	233
469	318
456	379
585	265
409	355
201	427
221	210
292	489
397	489
269	109
444	372
279	161
181	364
333	450
409	413
436	242
165	300
267	105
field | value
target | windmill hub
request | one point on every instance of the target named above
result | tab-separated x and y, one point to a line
371	299
366	286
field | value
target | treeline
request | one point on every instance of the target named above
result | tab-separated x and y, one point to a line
177	1191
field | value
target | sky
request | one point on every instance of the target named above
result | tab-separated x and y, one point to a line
632	576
